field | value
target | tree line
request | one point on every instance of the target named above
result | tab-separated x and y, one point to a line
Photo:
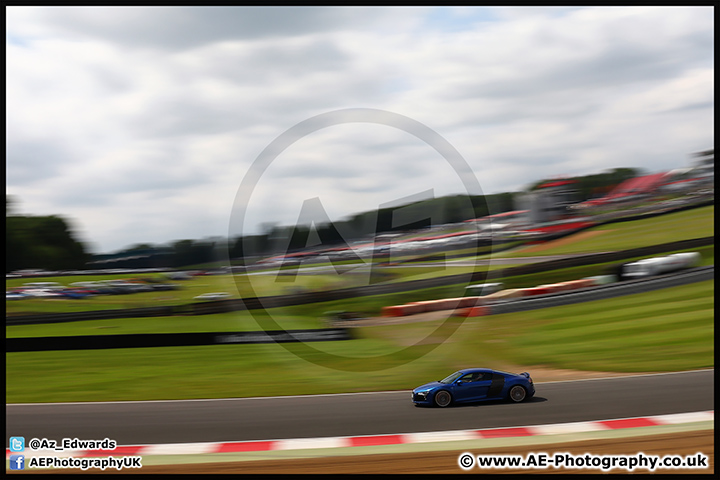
40	242
48	243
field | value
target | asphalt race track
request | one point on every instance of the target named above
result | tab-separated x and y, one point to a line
144	423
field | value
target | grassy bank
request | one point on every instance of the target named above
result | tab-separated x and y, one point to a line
671	227
665	330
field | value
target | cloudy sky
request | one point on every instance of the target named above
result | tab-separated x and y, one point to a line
150	125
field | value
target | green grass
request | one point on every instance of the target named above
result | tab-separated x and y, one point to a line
241	321
296	317
665	330
256	285
187	290
204	372
671	227
268	284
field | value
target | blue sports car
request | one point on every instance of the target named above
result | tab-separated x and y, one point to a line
475	385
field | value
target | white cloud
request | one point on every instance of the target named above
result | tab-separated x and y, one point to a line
140	123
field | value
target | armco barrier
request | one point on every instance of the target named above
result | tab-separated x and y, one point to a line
472	312
606	257
392	311
529	292
507	294
566	286
448	303
91	315
95	342
537	300
414	309
469	301
605	291
601	279
552	287
420	307
581	283
437	305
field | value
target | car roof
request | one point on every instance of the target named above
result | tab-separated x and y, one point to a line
474	370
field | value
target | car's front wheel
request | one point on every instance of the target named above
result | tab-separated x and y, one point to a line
443	398
517	394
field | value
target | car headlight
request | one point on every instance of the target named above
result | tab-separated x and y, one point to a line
422	395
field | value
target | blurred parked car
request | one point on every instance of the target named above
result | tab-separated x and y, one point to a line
213	296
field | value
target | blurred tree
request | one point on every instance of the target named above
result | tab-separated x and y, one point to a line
40	242
191	252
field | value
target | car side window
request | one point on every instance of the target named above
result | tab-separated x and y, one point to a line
475	377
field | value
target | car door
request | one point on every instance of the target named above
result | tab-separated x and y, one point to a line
472	386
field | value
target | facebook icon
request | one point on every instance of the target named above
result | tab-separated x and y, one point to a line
17	462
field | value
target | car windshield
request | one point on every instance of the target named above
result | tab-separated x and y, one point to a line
451	378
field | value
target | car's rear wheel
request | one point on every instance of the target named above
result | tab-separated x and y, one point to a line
517	393
443	398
